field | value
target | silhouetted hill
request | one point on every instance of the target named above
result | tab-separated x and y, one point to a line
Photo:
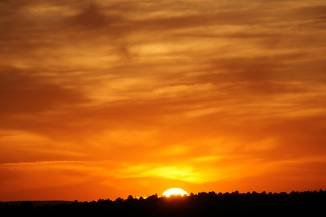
201	204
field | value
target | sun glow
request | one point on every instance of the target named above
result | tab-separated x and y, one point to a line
175	192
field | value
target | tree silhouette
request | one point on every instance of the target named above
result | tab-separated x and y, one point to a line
201	204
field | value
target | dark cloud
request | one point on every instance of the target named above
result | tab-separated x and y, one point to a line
315	13
24	92
93	17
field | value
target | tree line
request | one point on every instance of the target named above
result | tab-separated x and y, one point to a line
309	203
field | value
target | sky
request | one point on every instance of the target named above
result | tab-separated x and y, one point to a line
110	98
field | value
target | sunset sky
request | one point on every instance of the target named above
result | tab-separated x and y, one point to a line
102	99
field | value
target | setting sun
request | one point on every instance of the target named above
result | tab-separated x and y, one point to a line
174	192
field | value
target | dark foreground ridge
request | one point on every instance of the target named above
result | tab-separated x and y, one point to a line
201	204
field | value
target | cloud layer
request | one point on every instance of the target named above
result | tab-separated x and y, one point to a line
132	97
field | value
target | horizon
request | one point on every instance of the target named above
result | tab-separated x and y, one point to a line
206	204
171	198
110	98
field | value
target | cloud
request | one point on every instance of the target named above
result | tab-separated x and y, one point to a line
24	92
314	14
93	17
226	88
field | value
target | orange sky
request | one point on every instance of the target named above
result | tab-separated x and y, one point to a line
109	98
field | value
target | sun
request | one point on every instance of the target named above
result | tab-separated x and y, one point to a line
175	192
